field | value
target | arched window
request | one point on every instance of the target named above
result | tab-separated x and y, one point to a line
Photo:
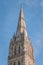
15	50
19	49
18	62
14	63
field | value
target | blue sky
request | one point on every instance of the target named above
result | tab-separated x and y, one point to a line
9	13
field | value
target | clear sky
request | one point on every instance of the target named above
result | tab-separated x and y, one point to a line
9	13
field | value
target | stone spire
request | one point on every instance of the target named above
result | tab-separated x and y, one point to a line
20	49
21	23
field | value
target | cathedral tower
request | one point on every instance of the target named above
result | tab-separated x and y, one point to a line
20	49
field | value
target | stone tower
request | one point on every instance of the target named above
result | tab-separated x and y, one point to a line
20	49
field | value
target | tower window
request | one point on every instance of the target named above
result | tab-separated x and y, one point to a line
19	49
15	50
18	63
14	63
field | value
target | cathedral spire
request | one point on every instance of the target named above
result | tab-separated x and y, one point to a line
21	23
20	49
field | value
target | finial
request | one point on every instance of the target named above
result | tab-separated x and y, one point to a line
21	6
